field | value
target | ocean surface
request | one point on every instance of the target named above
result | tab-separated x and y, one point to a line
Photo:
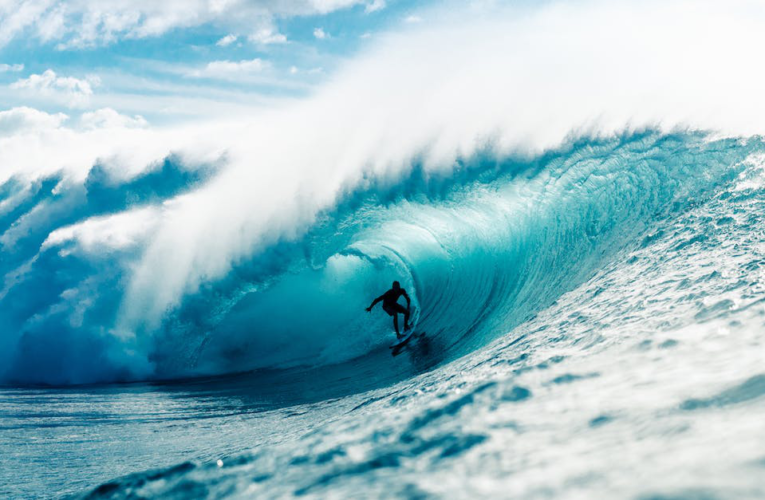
591	323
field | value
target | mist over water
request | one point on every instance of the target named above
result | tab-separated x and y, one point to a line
571	197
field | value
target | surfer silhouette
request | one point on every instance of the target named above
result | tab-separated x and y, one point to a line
392	307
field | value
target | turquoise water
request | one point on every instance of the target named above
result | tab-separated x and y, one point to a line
592	323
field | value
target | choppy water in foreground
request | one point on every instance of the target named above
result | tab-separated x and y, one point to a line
603	338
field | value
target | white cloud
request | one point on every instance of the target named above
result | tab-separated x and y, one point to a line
8	68
320	34
374	6
231	69
83	23
108	118
74	91
412	19
17	16
52	26
23	119
266	36
226	41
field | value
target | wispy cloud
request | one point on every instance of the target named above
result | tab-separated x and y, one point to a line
320	34
412	19
11	68
74	91
78	23
226	41
266	36
227	70
108	118
374	6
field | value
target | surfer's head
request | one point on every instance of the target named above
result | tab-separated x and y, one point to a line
396	285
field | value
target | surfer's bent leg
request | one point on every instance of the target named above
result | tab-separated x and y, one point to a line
394	310
401	310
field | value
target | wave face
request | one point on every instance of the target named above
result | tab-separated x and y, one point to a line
482	249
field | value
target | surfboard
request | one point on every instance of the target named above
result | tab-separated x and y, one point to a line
403	340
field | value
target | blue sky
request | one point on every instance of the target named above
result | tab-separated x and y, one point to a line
170	61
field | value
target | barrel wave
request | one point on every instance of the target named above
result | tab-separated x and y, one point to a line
482	248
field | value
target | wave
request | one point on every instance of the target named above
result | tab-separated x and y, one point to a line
481	250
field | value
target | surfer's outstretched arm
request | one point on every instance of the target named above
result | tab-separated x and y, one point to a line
378	299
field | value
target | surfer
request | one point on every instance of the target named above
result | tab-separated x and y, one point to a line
392	307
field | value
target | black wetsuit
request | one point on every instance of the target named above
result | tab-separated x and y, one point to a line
390	302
